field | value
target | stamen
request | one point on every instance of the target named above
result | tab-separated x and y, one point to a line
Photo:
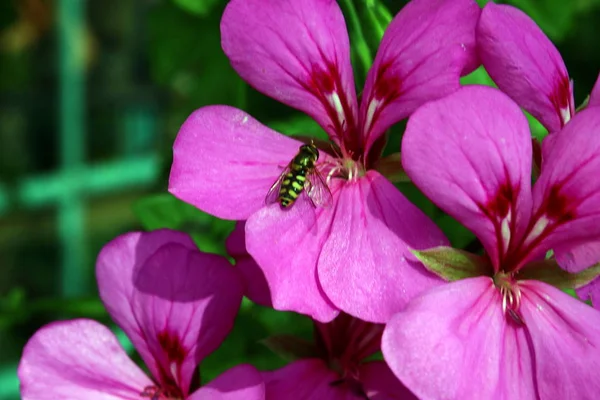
511	296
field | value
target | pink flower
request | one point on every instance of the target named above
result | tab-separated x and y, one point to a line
350	256
337	369
501	335
174	303
335	366
525	64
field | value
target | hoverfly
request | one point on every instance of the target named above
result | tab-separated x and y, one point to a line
301	174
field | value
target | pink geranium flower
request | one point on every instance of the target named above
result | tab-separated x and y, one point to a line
335	366
351	255
174	303
525	64
501	335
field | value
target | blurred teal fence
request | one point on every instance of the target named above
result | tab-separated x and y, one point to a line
68	188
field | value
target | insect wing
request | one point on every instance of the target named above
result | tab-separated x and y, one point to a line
273	194
317	190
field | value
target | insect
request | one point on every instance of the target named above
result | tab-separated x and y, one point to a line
301	174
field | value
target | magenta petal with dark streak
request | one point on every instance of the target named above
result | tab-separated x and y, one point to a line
305	380
454	342
185	303
118	263
286	246
379	383
567	192
422	55
242	382
471	154
595	95
363	266
564	332
225	162
257	287
177	304
296	52
78	359
524	64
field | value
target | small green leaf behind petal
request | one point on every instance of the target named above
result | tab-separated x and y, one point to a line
548	271
453	264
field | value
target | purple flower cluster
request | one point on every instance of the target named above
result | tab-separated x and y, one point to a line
372	270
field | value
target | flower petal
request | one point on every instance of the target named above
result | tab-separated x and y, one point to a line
379	383
286	246
117	264
363	265
567	193
578	258
595	95
297	52
306	379
257	287
186	303
242	382
224	161
182	304
471	154
564	332
524	64
421	57
435	345
78	359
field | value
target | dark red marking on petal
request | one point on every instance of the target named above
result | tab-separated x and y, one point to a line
172	346
387	87
152	392
557	207
322	83
499	206
175	352
536	147
561	97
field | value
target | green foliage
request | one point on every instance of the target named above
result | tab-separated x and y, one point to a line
245	344
166	211
454	264
199	7
555	17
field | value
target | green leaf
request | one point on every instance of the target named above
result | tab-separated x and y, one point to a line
554	17
550	272
198	7
453	264
166	211
478	77
299	125
290	347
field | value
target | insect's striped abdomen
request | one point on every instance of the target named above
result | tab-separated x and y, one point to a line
292	185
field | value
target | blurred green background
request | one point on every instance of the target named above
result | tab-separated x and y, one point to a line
92	94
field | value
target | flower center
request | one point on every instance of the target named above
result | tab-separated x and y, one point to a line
511	296
344	168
